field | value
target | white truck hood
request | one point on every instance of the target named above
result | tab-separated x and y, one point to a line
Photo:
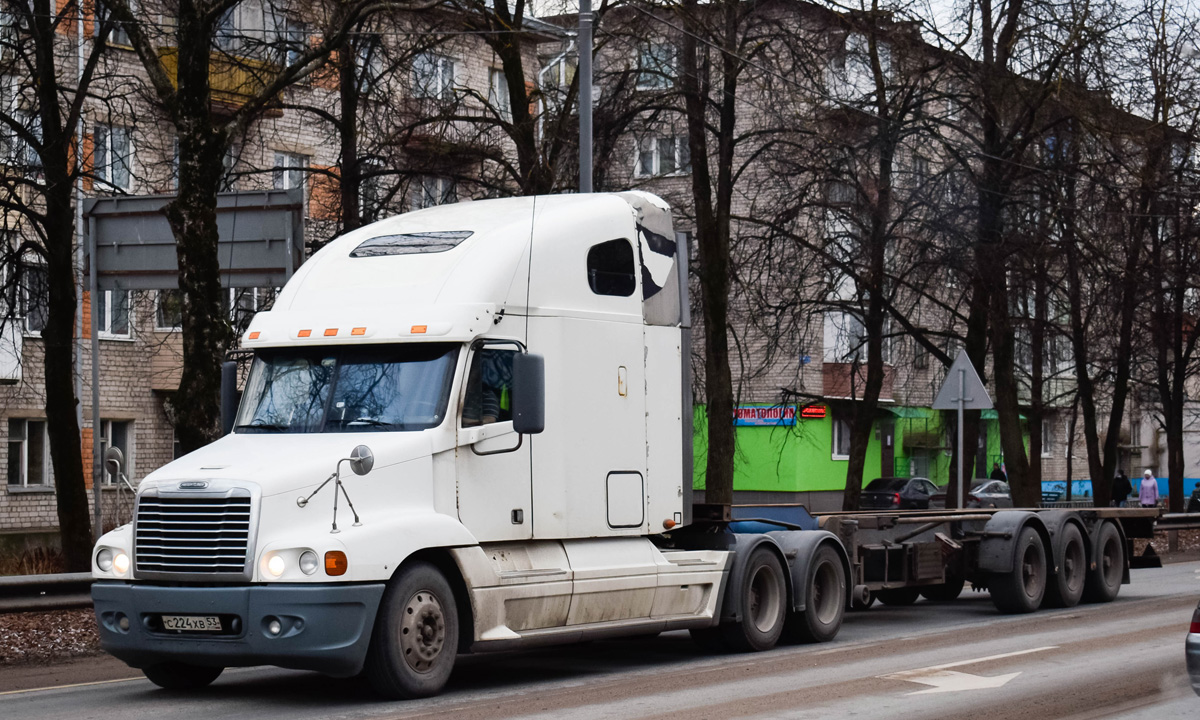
286	462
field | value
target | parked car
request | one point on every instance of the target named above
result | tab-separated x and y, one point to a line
989	494
1192	650
894	493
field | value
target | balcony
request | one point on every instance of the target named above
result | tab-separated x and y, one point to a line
233	80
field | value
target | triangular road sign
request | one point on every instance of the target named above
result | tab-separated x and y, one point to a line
974	394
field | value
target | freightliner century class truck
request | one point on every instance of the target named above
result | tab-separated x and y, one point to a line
467	429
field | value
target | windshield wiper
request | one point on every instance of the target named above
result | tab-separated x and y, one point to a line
263	426
371	422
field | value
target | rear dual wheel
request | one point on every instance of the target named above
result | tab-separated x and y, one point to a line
1104	580
1021	589
825	608
1065	587
763	595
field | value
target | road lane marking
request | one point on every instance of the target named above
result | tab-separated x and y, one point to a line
943	679
73	685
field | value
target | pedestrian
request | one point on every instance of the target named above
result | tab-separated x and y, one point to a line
1149	490
1121	488
997	473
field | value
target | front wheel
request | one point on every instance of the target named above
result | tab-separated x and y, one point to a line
415	640
181	676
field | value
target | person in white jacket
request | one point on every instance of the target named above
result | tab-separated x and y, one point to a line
1148	494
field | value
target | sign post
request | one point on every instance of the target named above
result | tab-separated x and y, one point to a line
962	390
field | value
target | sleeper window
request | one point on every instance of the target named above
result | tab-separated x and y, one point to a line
611	269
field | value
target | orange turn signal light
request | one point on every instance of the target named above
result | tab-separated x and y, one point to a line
254	335
304	333
330	332
359	331
668	524
418	329
335	562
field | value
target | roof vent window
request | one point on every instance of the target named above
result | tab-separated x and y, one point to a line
410	243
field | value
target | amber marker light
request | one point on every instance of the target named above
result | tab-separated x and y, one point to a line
254	335
335	563
419	329
668	524
331	332
359	331
304	333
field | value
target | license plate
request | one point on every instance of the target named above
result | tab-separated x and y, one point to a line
192	623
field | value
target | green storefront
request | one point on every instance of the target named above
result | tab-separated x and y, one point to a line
791	451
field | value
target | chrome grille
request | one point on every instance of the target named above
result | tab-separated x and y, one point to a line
207	535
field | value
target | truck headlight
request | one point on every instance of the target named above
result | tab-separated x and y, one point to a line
276	565
308	562
104	560
120	563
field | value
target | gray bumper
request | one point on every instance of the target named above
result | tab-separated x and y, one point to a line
1193	659
325	627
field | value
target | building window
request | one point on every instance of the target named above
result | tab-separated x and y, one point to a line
168	310
656	66
245	303
225	33
1047	436
845	337
662	156
841	438
113	159
430	190
498	96
372	191
290	169
118	34
116	433
433	76
369	61
290	41
34	297
28	453
114	314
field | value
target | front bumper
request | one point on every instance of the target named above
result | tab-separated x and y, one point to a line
324	627
1192	649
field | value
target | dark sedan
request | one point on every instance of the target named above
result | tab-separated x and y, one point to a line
897	494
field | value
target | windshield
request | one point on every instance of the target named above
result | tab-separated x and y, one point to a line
339	389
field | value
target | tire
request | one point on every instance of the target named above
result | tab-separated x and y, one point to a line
857	606
764	605
415	640
181	676
897	597
946	592
822	616
1021	589
1104	580
1065	587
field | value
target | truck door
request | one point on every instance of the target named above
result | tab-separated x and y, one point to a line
492	461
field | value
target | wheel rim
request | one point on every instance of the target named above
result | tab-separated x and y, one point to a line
1112	561
825	595
1073	565
765	599
1032	570
422	631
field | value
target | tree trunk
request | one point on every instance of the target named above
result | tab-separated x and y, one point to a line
193	217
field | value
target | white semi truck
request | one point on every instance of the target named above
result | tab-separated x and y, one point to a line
468	428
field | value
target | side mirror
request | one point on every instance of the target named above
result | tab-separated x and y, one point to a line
113	460
228	396
362	460
529	393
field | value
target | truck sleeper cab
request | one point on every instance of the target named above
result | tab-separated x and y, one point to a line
465	428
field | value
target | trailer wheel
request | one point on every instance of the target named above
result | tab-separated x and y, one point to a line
1066	586
859	606
764	605
181	676
416	635
826	607
1104	580
945	592
898	596
1021	589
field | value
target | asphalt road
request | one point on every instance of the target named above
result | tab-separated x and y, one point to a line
948	660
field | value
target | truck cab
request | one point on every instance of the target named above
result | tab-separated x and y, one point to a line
465	428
